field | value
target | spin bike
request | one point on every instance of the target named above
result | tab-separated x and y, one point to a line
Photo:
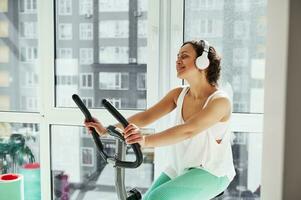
118	160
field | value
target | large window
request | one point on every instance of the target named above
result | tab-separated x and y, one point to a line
105	47
231	30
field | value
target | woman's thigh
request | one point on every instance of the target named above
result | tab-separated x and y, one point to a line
195	184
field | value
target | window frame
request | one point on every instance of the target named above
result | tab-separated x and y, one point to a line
171	37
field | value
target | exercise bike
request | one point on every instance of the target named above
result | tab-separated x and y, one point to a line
118	160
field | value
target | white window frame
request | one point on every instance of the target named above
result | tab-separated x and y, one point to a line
28	9
86	75
86	101
62	7
60	31
30	54
86	7
30	30
141	75
65	53
170	31
116	102
86	31
86	56
114	86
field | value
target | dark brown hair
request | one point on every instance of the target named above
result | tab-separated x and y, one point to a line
213	71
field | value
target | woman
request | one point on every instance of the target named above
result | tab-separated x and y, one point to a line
202	164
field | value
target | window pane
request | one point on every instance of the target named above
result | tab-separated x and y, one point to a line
18	56
20	153
78	171
237	29
110	43
247	148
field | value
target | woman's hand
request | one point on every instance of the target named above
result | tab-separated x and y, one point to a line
100	129
132	134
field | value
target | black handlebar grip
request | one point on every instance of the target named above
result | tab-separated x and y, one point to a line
89	118
115	112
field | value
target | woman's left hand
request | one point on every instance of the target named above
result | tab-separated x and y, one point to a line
132	135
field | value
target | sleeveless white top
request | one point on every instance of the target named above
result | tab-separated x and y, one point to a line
202	150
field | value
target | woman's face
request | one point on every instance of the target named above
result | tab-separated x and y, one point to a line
186	61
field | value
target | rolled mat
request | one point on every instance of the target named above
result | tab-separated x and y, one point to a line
32	186
11	187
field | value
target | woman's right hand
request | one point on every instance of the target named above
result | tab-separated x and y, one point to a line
100	129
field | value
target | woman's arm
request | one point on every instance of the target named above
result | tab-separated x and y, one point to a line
163	107
141	119
214	112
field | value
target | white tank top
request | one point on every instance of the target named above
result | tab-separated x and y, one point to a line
202	150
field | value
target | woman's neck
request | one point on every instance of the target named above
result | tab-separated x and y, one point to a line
200	88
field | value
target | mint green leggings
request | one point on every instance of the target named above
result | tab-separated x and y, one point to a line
194	184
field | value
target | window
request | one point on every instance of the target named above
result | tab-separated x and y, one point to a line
86	56
28	30
31	79
86	81
88	101
28	54
4	79
141	81
4	54
28	6
3	5
113	81
113	6
241	29
3	29
86	31
141	103
242	71
242	5
65	52
85	7
114	55
114	28
65	31
240	57
65	7
115	102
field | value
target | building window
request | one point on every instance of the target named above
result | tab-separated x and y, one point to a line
86	81
241	29
4	79
116	102
87	156
28	54
28	30
113	5
31	103
240	57
4	54
3	29
85	7
66	80
31	79
65	7
113	81
242	5
86	56
141	103
65	53
141	81
114	55
86	31
88	101
3	6
65	31
114	28
28	6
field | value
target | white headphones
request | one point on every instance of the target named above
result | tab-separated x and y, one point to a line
202	62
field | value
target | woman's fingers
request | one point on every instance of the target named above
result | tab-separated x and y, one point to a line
134	139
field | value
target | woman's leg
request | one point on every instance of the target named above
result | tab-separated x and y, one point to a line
196	184
163	178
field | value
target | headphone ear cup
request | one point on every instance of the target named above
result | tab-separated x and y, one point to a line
202	62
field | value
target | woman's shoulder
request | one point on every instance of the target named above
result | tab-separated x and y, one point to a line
175	92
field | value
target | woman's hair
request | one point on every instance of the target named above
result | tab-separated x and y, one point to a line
214	68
